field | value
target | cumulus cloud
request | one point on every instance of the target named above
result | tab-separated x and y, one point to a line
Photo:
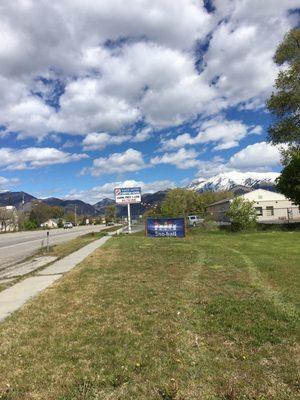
103	66
260	156
35	157
5	183
257	156
239	59
98	141
143	135
101	192
129	161
182	159
224	133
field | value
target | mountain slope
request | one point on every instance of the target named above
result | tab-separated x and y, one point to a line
15	198
82	208
102	204
148	201
231	180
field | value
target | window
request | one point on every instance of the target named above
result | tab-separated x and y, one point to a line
270	211
259	211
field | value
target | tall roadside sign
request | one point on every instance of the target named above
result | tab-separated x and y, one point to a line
127	196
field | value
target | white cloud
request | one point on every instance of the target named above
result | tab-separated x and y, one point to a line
143	135
147	73
182	159
98	141
129	161
5	183
224	133
35	157
240	52
101	192
257	156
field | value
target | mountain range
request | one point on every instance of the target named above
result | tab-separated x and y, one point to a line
233	179
237	182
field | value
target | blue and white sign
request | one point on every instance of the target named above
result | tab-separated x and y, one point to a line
128	195
165	227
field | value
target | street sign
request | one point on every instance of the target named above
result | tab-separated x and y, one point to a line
128	195
165	227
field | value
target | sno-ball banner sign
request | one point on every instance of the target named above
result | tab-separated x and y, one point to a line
128	195
165	227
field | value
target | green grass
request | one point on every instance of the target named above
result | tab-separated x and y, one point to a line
214	316
62	250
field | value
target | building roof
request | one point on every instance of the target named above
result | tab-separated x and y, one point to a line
255	195
220	202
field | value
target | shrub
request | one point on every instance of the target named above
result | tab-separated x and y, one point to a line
242	214
30	226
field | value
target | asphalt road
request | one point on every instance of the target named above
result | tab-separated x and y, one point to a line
14	247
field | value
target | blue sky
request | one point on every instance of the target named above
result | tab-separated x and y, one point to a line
99	94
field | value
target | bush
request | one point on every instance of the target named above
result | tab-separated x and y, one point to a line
210	225
30	226
242	214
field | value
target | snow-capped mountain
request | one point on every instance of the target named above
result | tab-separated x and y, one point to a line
233	179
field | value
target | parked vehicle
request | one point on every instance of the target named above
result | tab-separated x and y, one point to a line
110	223
68	225
193	220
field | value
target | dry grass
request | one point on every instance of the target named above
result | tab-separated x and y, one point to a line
62	250
209	317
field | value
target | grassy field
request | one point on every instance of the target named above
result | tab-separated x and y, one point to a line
214	316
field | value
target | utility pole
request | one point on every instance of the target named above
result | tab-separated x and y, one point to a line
75	215
23	216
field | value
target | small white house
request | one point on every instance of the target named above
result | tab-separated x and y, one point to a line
270	207
50	224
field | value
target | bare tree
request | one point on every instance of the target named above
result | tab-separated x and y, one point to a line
8	219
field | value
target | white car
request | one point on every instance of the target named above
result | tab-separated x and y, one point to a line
193	220
68	225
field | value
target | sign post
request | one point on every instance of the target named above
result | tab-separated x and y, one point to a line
127	196
129	218
48	233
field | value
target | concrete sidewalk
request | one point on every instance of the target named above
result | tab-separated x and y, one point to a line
16	296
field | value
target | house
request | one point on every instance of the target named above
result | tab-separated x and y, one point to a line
50	223
270	207
8	219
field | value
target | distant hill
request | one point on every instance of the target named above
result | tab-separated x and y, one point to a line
82	208
148	200
15	198
102	204
236	182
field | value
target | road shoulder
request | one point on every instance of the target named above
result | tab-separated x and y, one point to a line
16	296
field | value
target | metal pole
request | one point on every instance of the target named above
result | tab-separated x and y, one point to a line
48	242
23	216
75	216
129	218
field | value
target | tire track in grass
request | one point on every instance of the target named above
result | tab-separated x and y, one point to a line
259	282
